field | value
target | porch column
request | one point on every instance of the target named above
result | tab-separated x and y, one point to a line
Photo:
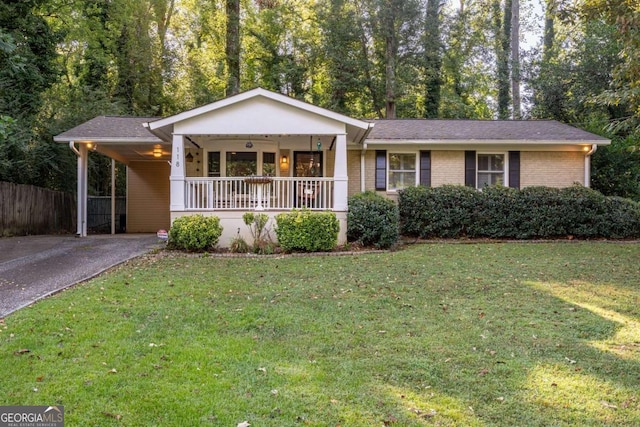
340	185
83	178
177	173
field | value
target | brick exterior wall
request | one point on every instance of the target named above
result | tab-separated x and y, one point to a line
353	169
447	167
548	168
551	169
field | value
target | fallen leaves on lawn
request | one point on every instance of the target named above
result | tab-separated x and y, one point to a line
423	414
22	351
608	405
483	371
244	424
114	416
112	371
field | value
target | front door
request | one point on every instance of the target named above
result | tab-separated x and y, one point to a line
307	164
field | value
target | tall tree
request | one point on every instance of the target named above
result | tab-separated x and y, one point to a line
502	22
432	59
28	58
346	65
232	49
388	19
515	59
625	15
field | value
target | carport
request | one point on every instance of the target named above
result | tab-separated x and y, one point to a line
126	140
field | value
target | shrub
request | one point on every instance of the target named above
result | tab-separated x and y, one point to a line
445	211
533	212
195	233
372	220
307	231
257	223
238	245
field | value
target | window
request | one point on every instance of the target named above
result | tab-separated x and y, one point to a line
402	171
490	170
269	164
242	163
213	163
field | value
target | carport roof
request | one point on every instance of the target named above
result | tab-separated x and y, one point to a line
111	129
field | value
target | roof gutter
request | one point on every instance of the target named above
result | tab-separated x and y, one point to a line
587	165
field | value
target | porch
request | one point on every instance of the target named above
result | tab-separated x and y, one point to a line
255	151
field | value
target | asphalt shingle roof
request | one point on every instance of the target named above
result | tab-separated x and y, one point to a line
110	127
478	130
118	127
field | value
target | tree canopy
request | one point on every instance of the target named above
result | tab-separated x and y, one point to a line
63	62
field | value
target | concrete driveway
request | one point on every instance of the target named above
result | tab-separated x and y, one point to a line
34	267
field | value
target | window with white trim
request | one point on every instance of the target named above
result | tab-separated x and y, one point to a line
402	171
491	170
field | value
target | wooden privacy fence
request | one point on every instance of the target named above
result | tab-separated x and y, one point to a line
26	209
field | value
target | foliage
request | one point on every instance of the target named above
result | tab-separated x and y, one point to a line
307	231
624	15
195	233
533	212
372	220
436	212
525	334
615	169
238	245
63	62
27	58
257	223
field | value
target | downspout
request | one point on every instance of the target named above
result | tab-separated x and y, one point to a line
587	165
362	167
363	162
72	145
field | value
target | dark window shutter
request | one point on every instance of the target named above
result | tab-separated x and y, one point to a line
470	169
514	169
381	170
425	168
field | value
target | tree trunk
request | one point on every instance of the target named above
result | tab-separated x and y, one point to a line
233	47
515	58
433	59
503	36
549	30
390	72
390	38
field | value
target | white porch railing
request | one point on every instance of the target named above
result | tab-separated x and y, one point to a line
243	193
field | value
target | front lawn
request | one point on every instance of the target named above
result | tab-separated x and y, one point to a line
435	334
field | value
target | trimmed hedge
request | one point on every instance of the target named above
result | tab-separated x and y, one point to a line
195	233
307	231
372	220
499	212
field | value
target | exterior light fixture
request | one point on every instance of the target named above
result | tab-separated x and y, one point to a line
157	152
319	144
284	160
249	144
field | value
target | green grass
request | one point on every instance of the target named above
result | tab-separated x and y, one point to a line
434	334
